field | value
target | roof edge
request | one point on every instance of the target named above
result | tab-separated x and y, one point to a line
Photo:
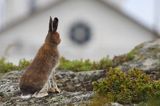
56	3
116	9
32	14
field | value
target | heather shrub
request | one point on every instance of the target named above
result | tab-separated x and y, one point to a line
129	87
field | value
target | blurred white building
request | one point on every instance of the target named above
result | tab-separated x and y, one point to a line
88	28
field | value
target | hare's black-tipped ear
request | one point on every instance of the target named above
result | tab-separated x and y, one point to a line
50	24
55	24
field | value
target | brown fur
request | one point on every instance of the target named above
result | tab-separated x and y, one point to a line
37	74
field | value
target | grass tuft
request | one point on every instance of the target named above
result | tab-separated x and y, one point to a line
6	66
84	65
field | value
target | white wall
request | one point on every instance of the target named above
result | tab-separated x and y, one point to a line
12	10
16	9
2	13
112	33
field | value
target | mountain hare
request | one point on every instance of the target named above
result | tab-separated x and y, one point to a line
38	78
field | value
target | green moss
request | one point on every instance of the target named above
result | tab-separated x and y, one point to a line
127	88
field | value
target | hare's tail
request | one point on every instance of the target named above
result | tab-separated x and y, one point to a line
27	91
26	96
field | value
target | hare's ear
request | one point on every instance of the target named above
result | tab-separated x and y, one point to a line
55	24
50	24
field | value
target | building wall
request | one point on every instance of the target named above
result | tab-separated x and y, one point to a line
111	33
13	10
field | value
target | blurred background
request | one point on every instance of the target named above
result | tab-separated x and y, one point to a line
89	29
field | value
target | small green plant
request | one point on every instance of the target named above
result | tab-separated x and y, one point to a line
104	63
117	60
84	65
65	64
23	63
133	86
8	66
75	65
131	55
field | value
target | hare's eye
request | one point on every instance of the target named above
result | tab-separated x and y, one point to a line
57	35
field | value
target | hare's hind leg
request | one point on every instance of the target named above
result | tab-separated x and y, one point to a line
43	92
53	85
54	88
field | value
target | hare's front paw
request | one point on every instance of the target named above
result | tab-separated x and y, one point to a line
40	94
54	90
58	90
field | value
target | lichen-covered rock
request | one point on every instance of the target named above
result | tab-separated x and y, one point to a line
146	57
78	81
76	89
61	99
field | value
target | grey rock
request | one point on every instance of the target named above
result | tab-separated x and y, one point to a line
61	99
76	89
146	58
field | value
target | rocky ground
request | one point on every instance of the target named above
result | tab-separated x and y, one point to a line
76	89
77	86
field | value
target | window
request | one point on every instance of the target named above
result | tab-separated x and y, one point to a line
80	33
